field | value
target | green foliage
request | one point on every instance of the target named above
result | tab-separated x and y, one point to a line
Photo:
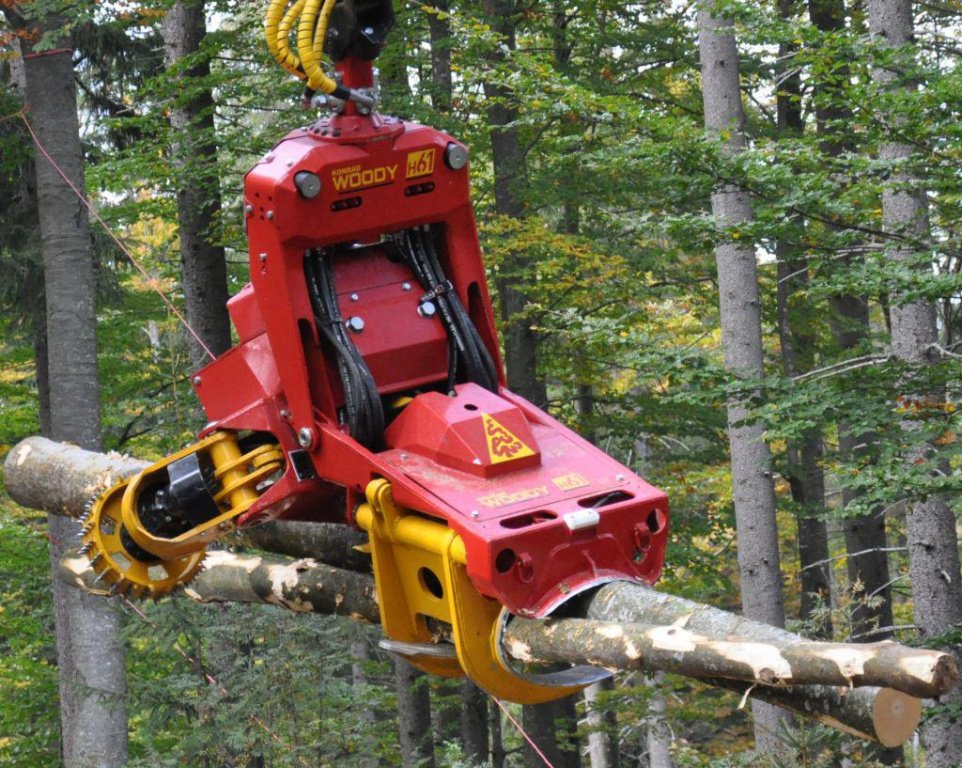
29	714
619	272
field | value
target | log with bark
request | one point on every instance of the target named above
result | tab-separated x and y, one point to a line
620	626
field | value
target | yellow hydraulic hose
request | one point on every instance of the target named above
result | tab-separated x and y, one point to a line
311	32
311	17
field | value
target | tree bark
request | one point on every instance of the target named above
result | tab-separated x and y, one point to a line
442	84
303	585
510	181
194	158
474	722
868	571
617	645
803	456
414	716
601	724
931	525
658	737
90	654
752	488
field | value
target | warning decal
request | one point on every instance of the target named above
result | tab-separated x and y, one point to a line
503	444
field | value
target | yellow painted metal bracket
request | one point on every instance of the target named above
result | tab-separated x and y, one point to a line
420	573
238	475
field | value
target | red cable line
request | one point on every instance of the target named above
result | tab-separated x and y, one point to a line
123	248
521	730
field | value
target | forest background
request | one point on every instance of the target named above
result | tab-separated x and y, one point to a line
599	196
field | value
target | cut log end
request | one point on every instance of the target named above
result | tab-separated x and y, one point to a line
896	716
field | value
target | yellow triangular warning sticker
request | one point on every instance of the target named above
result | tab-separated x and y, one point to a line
503	444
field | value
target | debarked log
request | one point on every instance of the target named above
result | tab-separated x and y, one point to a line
879	714
782	662
58	478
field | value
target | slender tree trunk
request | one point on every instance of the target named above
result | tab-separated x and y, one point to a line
658	738
474	722
804	456
510	180
753	492
89	651
931	525
602	724
868	571
550	727
414	716
194	156
441	81
498	754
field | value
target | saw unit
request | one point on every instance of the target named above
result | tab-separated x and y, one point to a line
367	369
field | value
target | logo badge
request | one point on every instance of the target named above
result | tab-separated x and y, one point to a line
420	163
503	444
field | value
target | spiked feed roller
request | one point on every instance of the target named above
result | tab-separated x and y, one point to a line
368	368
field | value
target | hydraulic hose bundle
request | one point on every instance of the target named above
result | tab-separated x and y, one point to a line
308	20
363	411
470	359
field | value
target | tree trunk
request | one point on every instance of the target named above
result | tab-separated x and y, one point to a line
194	158
753	492
498	754
804	456
602	726
658	737
474	722
867	571
414	716
931	525
442	85
510	181
541	724
89	651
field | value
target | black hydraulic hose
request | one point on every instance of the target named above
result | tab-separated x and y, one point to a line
478	365
485	372
364	413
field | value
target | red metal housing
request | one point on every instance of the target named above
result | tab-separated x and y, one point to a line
542	513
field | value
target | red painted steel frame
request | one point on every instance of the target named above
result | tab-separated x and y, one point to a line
543	513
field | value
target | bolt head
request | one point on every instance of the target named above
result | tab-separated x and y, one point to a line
305	437
427	309
405	286
355	324
355	297
196	380
270	215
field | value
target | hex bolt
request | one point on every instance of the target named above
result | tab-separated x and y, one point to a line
305	437
475	513
427	309
405	286
620	478
262	257
270	215
355	297
248	209
196	380
355	324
